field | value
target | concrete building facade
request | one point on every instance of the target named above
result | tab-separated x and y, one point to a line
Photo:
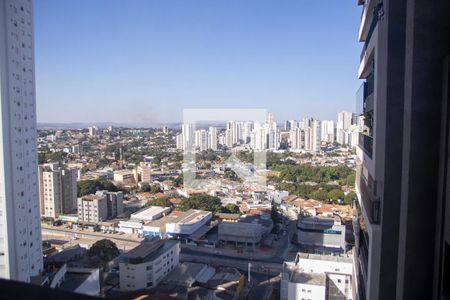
20	227
146	265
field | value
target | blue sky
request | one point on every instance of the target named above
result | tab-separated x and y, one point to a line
144	61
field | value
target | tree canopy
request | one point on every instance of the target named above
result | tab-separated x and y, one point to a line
202	202
86	187
105	249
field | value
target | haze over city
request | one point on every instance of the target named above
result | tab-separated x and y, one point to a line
224	149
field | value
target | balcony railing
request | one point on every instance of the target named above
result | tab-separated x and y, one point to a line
366	143
369	198
364	102
378	12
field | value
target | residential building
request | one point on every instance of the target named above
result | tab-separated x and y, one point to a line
93	131
20	229
402	235
212	138
92	208
114	203
345	120
125	177
146	265
57	190
318	277
328	129
201	140
144	173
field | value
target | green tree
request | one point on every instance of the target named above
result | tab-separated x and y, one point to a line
105	249
230	174
86	187
349	197
163	201
145	187
336	194
202	202
321	195
178	180
231	208
155	189
351	178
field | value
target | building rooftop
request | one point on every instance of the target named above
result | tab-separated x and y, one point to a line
92	197
339	258
74	279
147	251
191	216
149	212
308	278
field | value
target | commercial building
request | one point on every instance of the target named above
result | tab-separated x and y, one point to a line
92	208
188	222
321	234
146	265
248	231
150	213
402	235
20	229
314	276
114	203
57	190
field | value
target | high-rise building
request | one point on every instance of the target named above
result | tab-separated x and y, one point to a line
57	190
233	133
93	131
316	135
201	140
20	227
402	233
345	120
327	131
179	141
297	139
212	138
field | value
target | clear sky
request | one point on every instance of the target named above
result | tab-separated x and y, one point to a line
143	61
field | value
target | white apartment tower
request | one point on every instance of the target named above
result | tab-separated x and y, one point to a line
20	227
212	138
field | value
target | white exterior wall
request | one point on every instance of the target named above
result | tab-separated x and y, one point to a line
20	227
149	274
305	291
187	228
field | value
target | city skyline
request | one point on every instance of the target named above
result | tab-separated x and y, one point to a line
162	58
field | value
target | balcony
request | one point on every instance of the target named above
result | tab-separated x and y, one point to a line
364	95
370	201
366	144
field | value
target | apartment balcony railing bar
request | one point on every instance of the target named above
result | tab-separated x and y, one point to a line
362	95
360	99
366	143
378	12
370	201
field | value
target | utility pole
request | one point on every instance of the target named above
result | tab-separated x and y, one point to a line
249	276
